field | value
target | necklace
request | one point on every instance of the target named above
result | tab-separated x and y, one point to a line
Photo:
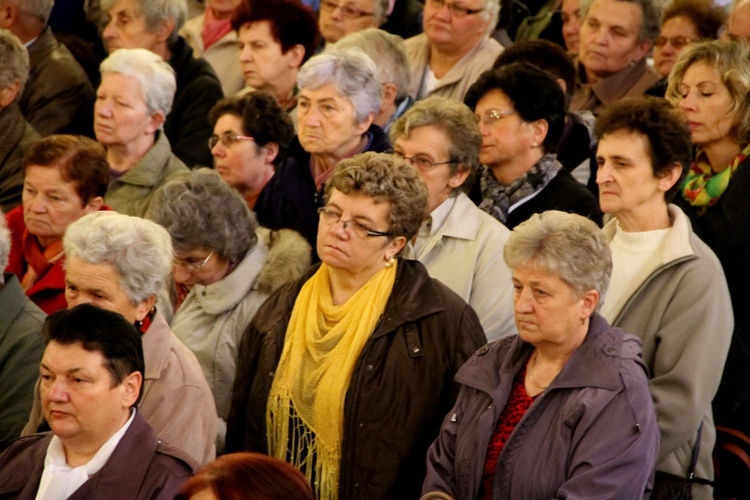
531	374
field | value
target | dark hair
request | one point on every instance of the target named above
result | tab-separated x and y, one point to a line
81	160
545	55
291	22
238	476
705	16
662	125
262	119
534	93
103	331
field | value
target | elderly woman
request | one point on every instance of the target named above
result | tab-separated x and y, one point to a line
521	115
563	408
250	139
227	265
336	20
65	178
131	103
211	37
663	278
243	475
458	243
338	99
454	49
121	264
362	340
711	84
275	39
615	38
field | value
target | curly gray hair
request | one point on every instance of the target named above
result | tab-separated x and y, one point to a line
156	12
199	210
138	249
15	58
565	245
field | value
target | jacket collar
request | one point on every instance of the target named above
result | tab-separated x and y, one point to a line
456	73
43	45
156	346
149	169
615	87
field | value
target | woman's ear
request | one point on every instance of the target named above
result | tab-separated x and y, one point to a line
270	152
144	307
539	129
589	301
394	247
670	176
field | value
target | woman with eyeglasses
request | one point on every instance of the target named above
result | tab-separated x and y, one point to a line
521	115
132	102
338	18
455	47
346	372
250	138
458	243
225	267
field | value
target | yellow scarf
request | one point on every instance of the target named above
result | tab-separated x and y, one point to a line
305	414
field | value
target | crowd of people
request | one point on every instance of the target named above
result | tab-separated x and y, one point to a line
370	249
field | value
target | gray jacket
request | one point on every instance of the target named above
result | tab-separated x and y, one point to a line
591	434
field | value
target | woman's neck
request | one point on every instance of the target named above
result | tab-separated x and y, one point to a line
444	57
721	154
124	157
510	170
324	162
646	217
344	284
45	242
283	91
251	192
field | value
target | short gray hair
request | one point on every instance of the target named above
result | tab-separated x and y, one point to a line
39	9
15	58
455	120
651	25
491	13
199	210
387	51
156	12
380	7
4	245
156	77
353	74
565	245
138	249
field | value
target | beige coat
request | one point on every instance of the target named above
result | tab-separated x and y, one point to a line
460	77
632	81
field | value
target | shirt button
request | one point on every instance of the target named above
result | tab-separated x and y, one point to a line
369	368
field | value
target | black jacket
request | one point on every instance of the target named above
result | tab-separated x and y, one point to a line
401	388
198	89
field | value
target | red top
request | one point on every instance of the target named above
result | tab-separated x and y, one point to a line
518	403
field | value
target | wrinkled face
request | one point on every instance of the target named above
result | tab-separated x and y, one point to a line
675	34
242	164
327	122
125	28
343	248
628	187
50	204
571	24
78	399
200	266
610	37
120	113
454	32
425	145
100	285
263	63
547	310
706	103
506	138
338	18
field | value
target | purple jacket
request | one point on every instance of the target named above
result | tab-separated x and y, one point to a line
141	467
591	434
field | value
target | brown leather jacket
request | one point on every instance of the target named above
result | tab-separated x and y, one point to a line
401	387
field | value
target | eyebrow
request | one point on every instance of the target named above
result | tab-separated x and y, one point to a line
69	371
354	216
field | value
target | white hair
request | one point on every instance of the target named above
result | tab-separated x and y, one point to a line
156	12
138	249
353	74
15	60
156	77
40	9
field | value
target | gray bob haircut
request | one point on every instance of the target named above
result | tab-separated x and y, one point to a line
200	210
4	244
491	13
353	74
651	9
156	77
39	9
15	60
156	12
455	120
387	51
568	246
138	249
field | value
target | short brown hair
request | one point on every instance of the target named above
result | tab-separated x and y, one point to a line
386	179
81	160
